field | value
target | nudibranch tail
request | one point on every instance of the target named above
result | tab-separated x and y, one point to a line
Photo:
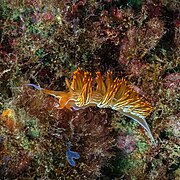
142	122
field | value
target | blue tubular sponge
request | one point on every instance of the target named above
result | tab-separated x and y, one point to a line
71	155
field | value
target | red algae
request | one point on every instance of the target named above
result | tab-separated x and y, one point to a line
43	43
172	81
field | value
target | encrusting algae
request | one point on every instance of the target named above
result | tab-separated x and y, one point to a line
8	117
116	94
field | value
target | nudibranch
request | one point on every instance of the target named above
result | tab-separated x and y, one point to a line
116	94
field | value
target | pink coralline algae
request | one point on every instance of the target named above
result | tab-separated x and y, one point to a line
172	81
136	67
126	143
